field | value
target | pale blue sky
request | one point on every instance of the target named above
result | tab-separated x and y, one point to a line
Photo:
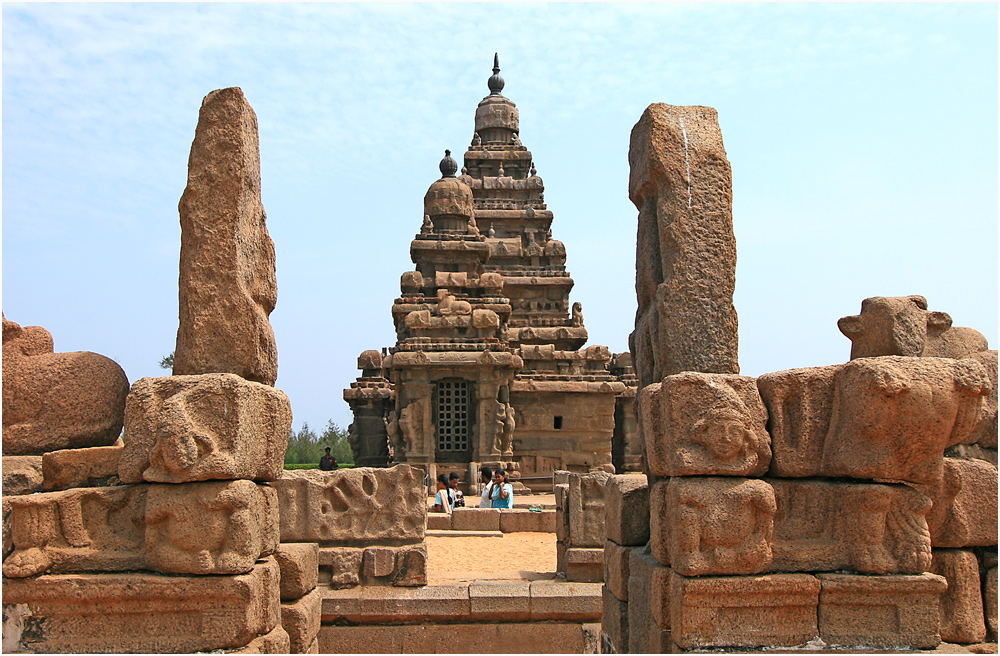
863	141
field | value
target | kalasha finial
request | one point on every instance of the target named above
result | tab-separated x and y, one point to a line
448	166
495	83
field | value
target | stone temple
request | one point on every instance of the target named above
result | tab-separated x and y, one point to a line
489	364
838	508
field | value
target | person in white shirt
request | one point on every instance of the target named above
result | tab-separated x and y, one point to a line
453	480
486	475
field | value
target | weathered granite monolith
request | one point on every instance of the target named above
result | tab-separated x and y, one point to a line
227	277
681	183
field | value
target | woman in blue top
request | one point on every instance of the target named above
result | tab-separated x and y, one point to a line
503	492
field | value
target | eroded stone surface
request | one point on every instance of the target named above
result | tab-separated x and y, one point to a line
275	641
411	566
228	286
705	425
583	564
146	613
204	528
616	572
301	620
377	562
962	617
799	406
88	529
216	527
990	601
22	475
57	400
626	505
888	612
646	636
351	505
180	429
985	433
895	416
586	509
964	513
743	611
70	468
343	565
823	525
614	622
712	525
681	183
299	565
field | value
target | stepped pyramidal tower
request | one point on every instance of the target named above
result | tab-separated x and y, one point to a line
489	365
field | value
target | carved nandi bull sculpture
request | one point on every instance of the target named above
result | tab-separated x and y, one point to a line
903	326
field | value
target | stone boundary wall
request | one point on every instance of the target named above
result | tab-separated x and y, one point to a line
493	519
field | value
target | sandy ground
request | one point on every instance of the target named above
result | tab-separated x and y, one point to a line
515	556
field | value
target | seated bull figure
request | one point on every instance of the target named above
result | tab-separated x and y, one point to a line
902	325
55	401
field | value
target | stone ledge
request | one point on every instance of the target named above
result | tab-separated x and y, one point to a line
479	601
146	613
463	534
485	638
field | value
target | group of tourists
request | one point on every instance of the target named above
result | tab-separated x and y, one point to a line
497	492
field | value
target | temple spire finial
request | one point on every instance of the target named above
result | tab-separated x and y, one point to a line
448	166
495	83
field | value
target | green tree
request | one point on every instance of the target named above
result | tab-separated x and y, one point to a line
305	447
302	446
335	437
168	361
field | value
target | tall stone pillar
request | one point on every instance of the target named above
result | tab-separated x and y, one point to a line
227	279
178	558
681	183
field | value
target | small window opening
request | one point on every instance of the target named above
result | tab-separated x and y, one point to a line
557	422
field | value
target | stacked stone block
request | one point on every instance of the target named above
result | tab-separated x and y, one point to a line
849	492
580	525
301	599
171	551
811	503
626	503
369	523
188	532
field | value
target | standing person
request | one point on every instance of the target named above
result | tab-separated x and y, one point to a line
502	494
486	476
444	501
327	462
453	479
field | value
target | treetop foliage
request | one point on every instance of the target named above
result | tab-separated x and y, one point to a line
307	447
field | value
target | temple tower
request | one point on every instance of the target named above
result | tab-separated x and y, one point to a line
451	368
489	364
509	199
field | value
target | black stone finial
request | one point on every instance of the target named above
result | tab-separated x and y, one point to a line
448	166
495	83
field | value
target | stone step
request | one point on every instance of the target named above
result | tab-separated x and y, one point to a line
478	601
480	638
440	533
